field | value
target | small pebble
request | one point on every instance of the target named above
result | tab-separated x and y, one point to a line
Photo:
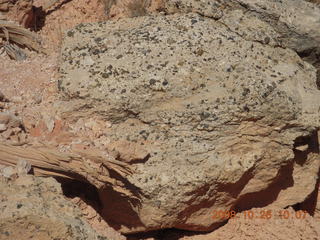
38	99
4	117
3	127
8	172
23	167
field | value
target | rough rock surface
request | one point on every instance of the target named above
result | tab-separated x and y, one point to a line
293	24
227	122
35	208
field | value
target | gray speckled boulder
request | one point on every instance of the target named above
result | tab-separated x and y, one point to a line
227	123
286	23
294	24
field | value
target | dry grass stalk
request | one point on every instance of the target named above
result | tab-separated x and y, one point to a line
108	5
13	36
81	166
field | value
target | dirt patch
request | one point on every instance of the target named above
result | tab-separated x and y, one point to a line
281	224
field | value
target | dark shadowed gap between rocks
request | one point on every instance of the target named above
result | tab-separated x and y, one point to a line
38	15
89	194
269	195
310	203
120	204
101	199
38	19
85	191
166	234
285	180
312	56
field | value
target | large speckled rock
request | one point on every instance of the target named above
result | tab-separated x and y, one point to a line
294	24
225	122
286	23
35	208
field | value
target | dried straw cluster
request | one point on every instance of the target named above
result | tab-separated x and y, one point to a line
13	37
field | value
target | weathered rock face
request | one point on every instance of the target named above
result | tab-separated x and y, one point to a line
294	24
218	121
34	208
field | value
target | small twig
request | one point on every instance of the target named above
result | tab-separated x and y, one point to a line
6	33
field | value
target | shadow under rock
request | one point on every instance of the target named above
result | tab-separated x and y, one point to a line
284	179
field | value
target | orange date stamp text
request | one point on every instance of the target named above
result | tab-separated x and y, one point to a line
263	214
